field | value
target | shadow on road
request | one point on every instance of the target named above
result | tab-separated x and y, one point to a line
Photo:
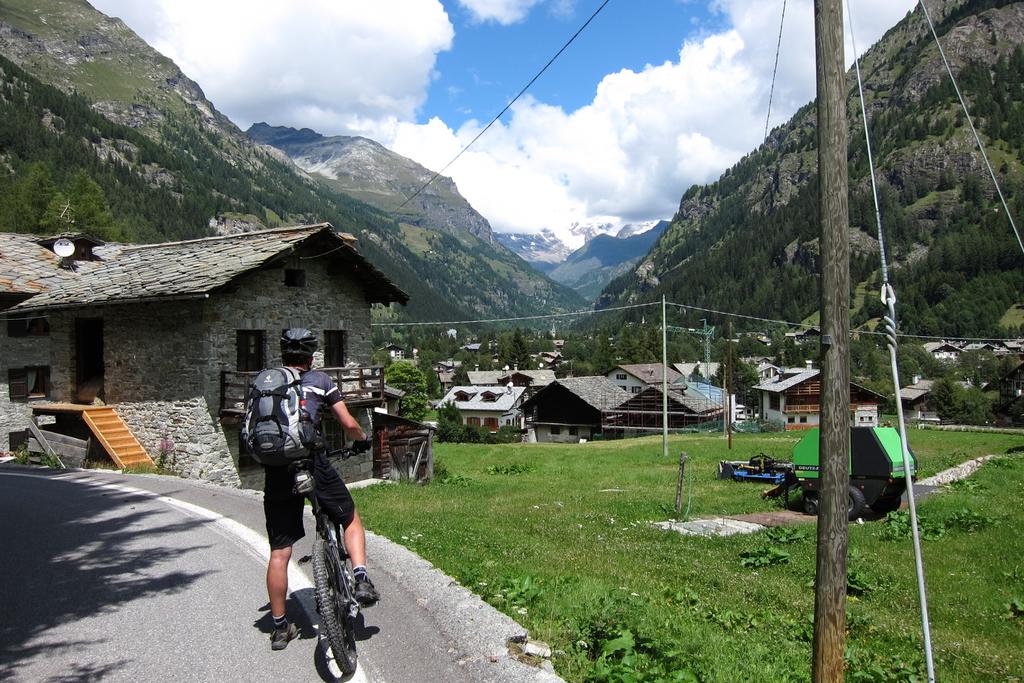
74	551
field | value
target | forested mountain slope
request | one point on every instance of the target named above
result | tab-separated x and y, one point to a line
748	243
98	127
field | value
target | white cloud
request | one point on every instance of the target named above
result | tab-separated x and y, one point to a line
332	66
504	12
628	156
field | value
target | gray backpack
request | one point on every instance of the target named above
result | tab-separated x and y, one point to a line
276	429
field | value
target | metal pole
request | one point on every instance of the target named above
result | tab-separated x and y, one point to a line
834	445
664	380
727	383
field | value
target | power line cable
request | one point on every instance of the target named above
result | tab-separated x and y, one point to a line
516	319
507	106
778	50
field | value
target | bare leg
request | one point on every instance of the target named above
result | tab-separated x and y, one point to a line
277	579
355	541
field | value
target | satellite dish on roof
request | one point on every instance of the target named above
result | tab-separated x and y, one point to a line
64	247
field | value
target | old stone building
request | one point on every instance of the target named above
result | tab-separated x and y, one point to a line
160	331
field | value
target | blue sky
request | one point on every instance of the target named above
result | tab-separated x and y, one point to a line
489	62
653	97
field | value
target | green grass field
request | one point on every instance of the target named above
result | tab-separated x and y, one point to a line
559	537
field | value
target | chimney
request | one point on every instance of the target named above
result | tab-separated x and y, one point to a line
916	378
809	364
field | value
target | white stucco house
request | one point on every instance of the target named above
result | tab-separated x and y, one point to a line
488	406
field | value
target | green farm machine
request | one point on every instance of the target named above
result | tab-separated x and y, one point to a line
877	477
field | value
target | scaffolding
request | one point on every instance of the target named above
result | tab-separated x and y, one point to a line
643	412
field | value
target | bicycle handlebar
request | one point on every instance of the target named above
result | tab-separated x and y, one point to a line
355	448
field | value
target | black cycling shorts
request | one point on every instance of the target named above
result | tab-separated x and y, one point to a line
283	509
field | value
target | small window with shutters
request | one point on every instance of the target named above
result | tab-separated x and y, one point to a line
26	383
17	384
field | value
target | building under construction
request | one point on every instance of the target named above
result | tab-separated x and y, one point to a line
643	412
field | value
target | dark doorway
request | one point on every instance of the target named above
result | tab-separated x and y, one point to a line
88	359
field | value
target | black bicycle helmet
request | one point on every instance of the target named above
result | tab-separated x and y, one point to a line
299	341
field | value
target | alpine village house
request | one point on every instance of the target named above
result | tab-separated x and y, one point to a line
162	336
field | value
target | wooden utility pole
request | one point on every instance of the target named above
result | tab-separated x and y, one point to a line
664	380
834	444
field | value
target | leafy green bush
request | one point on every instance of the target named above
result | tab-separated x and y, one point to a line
21	455
764	556
520	592
514	468
443	476
866	666
1015	610
858	582
967	485
449	423
968	520
897	527
787	534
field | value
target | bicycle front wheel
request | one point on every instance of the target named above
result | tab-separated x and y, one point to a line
335	619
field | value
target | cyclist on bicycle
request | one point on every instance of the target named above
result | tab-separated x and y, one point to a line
283	506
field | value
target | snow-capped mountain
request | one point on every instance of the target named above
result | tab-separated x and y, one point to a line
539	249
634	229
549	248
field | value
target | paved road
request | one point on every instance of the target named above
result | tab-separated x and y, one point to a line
108	577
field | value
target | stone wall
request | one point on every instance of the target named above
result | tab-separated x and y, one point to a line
18	352
163	360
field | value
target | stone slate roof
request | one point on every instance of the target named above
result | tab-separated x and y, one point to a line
493	377
25	265
649	373
598	392
191	269
932	347
688	368
505	400
912	392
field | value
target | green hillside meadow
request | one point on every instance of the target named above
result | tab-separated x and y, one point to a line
559	538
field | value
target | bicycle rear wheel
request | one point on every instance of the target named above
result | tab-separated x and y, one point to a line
335	619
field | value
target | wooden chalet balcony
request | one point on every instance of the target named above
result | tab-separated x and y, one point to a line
360	387
814	407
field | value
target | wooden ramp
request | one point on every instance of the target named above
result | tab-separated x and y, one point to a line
108	428
119	442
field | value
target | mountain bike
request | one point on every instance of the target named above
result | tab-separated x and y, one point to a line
332	573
